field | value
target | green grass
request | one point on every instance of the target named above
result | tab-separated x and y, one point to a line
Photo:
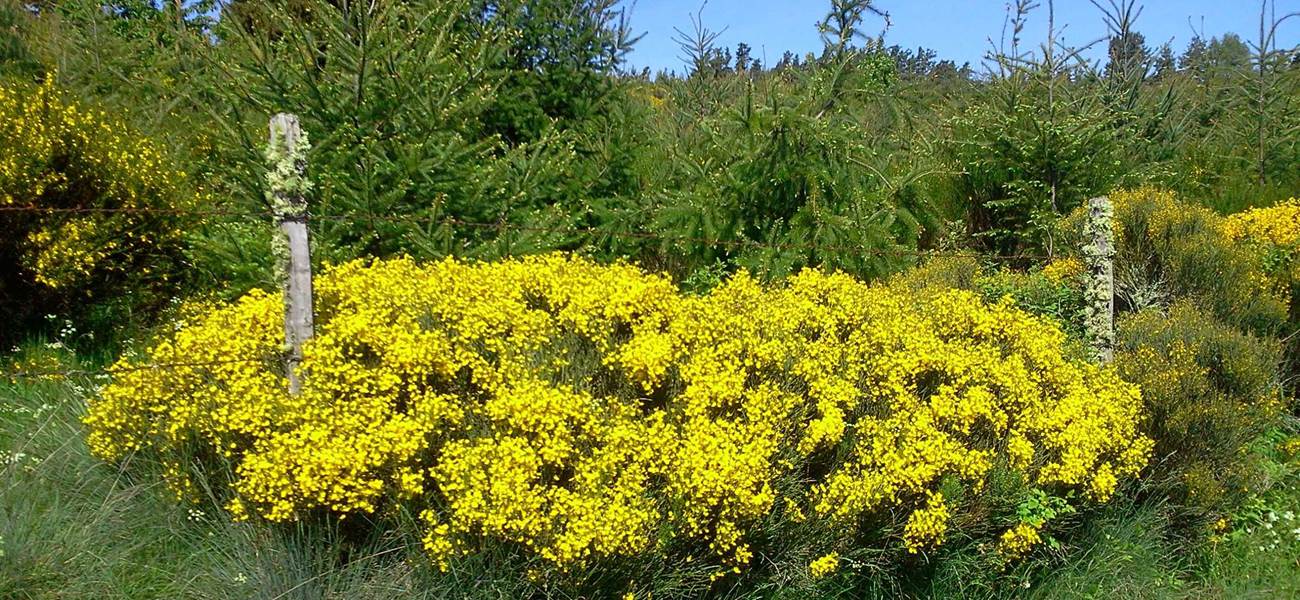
73	527
1259	557
1123	553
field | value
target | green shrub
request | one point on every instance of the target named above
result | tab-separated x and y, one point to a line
1039	294
1210	392
1043	292
91	227
1257	547
1023	155
423	116
781	171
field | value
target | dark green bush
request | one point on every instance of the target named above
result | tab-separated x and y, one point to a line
782	171
1038	294
1210	392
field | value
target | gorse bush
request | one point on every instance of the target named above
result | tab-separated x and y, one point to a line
95	236
580	412
1277	226
1274	233
941	272
1210	392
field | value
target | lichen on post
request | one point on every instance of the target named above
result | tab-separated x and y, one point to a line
287	186
1099	293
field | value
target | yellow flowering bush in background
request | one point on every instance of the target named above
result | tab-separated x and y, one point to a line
583	412
96	188
1278	225
1063	269
1274	233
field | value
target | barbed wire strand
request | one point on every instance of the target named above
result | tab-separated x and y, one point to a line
499	226
502	226
54	373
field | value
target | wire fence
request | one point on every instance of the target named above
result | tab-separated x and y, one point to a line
115	370
503	226
500	226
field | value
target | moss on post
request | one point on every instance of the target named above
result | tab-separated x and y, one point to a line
286	158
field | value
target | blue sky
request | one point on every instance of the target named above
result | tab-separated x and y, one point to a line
956	29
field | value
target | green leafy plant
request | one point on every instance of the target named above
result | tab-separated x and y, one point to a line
1039	508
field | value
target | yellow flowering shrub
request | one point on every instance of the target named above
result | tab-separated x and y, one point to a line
927	527
1274	233
1063	269
1018	540
824	565
581	412
1210	391
1291	448
1277	225
97	183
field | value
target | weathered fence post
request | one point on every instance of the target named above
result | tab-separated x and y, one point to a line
287	187
1099	295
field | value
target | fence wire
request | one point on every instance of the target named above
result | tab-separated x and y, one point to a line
500	226
504	226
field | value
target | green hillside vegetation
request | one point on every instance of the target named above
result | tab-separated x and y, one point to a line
811	329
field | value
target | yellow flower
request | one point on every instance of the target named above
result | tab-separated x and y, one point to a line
1278	225
1063	269
1291	447
927	527
1018	540
825	565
